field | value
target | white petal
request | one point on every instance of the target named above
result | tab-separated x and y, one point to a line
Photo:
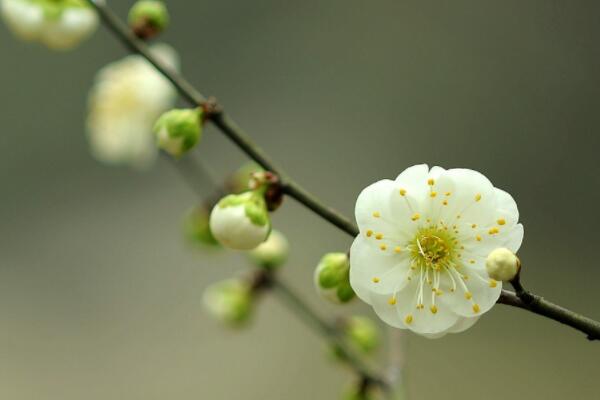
367	263
422	321
232	228
482	296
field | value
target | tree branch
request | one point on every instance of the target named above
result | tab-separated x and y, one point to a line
322	327
540	306
220	119
230	129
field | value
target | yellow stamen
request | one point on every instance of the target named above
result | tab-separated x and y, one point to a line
468	295
493	283
402	192
376	214
392	301
416	217
408	319
433	309
433	194
379	236
375	279
493	231
430	182
369	233
383	247
397	249
501	221
476	308
477	197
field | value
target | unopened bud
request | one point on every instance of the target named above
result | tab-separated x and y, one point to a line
332	278
196	226
362	333
229	301
148	18
273	253
502	265
177	131
241	222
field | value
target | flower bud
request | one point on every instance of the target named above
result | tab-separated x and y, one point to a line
362	333
229	301
241	222
332	278
177	131
59	25
273	253
196	227
502	265
239	181
148	18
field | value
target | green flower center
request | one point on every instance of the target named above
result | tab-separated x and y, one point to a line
434	247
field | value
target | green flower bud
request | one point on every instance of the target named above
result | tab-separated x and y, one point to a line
332	278
148	18
229	301
362	333
241	221
196	227
273	253
178	130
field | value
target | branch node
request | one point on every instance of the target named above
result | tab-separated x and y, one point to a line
211	109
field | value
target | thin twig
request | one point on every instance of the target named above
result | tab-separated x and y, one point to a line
229	128
322	327
221	120
540	306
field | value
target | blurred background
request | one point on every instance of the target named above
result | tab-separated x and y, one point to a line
100	297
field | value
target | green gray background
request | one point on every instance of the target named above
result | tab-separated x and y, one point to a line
101	299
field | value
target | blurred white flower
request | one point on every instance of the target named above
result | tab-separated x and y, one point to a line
124	103
419	259
59	24
273	253
229	301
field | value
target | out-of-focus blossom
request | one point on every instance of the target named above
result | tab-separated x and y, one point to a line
58	24
127	98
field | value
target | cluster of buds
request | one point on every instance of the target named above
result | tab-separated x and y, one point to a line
332	278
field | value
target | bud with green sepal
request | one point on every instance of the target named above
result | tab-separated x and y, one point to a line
196	227
229	301
332	278
148	18
178	130
271	254
241	221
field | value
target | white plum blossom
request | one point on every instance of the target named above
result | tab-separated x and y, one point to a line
241	222
59	24
127	98
419	259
